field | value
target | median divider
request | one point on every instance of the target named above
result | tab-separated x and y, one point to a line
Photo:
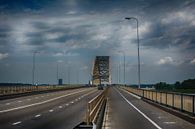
95	112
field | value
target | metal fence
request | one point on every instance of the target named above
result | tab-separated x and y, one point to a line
94	106
179	101
8	90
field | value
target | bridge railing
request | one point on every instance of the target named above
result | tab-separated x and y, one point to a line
179	101
94	106
9	90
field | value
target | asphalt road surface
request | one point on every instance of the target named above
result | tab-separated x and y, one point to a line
126	111
56	110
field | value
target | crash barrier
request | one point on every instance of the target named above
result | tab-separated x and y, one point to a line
180	101
95	112
9	90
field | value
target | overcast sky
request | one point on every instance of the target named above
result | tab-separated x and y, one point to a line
71	33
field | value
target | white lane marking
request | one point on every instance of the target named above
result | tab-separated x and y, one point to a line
72	102
19	101
171	122
7	104
79	98
16	123
136	96
151	121
38	115
67	104
161	117
34	104
60	106
50	110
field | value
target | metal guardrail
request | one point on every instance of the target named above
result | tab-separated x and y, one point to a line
94	106
179	101
9	90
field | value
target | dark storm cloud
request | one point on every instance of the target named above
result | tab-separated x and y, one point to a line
4	35
18	6
97	27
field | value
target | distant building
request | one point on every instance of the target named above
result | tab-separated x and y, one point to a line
60	81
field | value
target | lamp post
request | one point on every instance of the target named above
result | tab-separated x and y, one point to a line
138	54
124	72
33	69
57	73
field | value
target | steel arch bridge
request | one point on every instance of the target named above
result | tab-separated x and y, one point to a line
101	70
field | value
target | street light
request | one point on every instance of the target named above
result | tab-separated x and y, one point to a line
33	69
133	18
123	66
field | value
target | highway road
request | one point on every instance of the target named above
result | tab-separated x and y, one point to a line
126	111
54	110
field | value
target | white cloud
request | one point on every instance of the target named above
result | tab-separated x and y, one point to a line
165	60
58	54
192	61
3	55
60	61
180	16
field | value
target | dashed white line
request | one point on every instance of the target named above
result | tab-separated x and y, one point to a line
160	117
38	115
7	104
51	110
43	102
151	121
16	123
72	102
171	122
19	101
60	106
67	104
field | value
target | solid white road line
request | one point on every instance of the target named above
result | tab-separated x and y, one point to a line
38	115
43	102
136	96
151	121
16	123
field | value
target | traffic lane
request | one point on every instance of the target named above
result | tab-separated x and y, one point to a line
65	118
162	118
8	118
123	116
34	98
12	103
